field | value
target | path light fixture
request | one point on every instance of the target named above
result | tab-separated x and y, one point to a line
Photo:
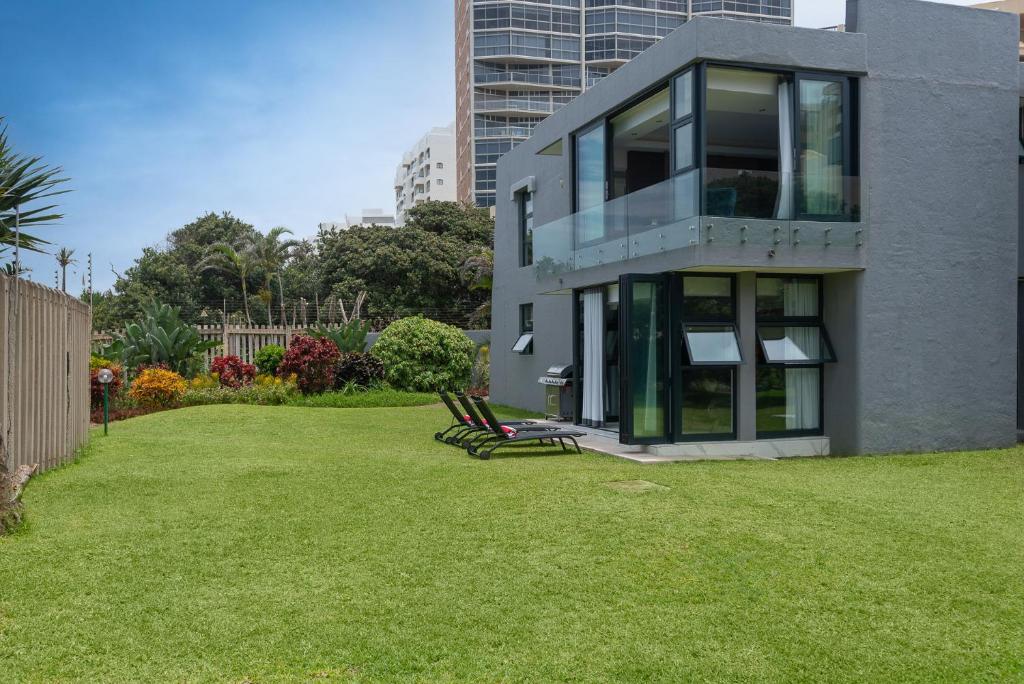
105	377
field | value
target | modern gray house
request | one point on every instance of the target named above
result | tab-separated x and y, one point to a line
765	237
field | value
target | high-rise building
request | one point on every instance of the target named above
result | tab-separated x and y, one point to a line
517	61
427	172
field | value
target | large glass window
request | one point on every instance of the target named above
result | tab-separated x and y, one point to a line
821	147
647	363
748	124
640	153
793	348
590	184
710	353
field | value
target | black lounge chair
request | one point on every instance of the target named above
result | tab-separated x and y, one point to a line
466	423
466	440
502	437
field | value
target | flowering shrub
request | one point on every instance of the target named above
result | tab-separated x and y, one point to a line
232	371
361	369
312	361
96	364
157	388
424	355
206	381
269	358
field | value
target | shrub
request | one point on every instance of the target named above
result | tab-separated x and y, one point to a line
160	337
482	368
423	355
157	388
312	361
359	368
96	364
350	337
269	358
205	381
265	394
231	371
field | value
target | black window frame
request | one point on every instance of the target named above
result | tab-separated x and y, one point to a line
525	198
525	329
792	321
680	321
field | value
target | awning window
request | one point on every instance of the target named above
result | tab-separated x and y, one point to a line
797	345
524	345
712	345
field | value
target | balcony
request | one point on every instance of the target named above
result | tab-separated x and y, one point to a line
513	107
504	132
515	80
751	219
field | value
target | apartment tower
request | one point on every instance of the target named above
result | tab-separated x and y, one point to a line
427	172
518	61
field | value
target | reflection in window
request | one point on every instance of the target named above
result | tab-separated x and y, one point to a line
590	185
640	149
788	399
797	344
748	123
707	402
712	345
821	147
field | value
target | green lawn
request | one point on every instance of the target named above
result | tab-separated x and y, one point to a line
265	544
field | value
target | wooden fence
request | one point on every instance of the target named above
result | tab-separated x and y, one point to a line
244	341
44	374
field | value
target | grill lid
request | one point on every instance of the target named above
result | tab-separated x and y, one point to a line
564	372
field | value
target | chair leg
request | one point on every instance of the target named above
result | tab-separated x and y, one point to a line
576	444
562	442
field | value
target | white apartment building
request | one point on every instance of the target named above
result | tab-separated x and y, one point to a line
427	172
367	217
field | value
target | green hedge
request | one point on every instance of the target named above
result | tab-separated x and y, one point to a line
422	355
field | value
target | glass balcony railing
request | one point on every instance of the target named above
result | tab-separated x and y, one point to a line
527	78
756	208
513	105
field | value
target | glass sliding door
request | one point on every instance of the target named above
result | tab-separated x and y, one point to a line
822	146
591	185
644	359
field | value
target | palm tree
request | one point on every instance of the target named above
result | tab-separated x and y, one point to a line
478	272
269	254
64	259
238	264
24	180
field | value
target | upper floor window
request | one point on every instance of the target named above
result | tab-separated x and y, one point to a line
525	199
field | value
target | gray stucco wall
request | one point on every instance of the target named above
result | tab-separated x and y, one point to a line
936	307
926	333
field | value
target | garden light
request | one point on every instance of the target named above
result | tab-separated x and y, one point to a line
105	377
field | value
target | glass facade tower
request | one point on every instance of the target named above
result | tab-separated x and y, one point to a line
518	61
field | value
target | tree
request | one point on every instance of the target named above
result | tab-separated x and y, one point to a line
269	253
238	264
65	257
478	273
472	225
23	182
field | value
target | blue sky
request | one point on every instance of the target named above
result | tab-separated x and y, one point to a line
282	112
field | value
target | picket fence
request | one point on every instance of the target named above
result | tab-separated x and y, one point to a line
245	341
44	374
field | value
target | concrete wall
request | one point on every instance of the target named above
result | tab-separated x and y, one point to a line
936	306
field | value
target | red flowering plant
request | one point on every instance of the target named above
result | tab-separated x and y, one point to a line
232	371
96	364
312	361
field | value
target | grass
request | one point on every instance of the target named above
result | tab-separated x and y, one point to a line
375	398
234	543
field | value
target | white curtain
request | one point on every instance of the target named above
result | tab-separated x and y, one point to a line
593	357
821	117
803	390
784	203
